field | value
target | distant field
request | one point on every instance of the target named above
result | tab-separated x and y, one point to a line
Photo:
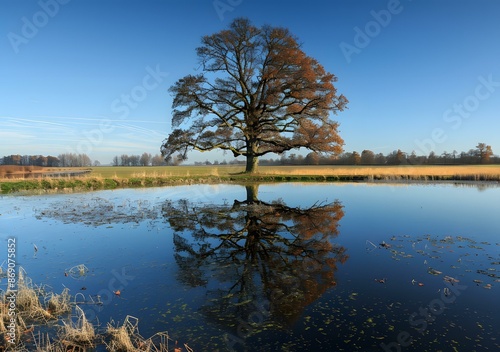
109	177
337	170
122	172
163	171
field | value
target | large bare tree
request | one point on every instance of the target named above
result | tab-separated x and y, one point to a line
259	93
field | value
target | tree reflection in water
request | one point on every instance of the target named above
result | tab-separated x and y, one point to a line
261	262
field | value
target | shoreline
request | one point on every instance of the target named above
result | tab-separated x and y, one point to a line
90	183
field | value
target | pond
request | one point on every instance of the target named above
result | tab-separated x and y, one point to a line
274	267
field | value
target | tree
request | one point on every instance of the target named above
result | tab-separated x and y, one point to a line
355	158
124	160
41	160
52	161
380	159
259	93
266	251
157	160
133	160
431	159
312	159
74	160
367	157
145	159
397	157
484	152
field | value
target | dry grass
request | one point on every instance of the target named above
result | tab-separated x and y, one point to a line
122	338
126	338
79	333
59	303
76	333
406	170
28	299
491	171
123	177
126	172
15	170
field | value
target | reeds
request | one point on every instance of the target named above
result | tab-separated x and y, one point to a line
28	299
78	333
59	303
126	338
48	332
113	177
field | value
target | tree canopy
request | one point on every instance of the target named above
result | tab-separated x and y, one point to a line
258	93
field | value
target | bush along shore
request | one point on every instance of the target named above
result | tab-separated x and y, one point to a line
99	183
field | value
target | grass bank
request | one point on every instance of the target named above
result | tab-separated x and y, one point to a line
121	177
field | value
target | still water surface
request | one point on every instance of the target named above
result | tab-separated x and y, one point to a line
281	267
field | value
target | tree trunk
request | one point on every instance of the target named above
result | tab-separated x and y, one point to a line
252	193
252	163
252	158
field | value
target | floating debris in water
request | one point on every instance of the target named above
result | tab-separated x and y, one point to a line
450	279
77	271
434	271
385	245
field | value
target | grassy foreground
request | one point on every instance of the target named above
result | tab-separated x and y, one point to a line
108	177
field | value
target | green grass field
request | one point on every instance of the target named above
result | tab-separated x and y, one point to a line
164	171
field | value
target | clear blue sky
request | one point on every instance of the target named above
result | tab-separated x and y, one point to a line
427	77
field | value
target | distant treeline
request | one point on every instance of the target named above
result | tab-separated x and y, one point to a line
80	160
146	159
62	160
482	154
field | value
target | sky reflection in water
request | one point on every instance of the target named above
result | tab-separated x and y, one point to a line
271	270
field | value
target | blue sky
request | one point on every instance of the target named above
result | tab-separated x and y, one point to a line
92	76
